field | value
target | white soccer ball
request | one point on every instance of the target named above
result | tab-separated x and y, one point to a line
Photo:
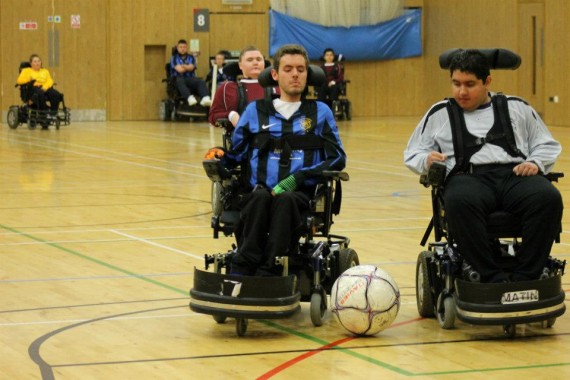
365	300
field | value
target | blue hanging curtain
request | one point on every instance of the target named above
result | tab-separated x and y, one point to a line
393	39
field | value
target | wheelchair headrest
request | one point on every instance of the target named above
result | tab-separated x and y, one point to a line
497	58
232	69
23	65
315	77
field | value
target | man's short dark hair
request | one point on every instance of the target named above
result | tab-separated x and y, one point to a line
289	49
246	49
182	41
470	61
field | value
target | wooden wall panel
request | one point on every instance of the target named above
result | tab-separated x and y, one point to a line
557	61
103	65
81	55
476	24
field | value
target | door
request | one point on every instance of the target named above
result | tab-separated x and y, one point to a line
531	49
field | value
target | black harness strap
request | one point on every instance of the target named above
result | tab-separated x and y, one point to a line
457	121
501	111
465	145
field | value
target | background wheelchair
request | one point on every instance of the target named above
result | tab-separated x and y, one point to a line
175	107
307	275
447	287
29	112
342	108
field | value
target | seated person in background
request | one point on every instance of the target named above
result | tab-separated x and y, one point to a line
498	167
227	101
183	69
219	60
42	84
283	147
334	71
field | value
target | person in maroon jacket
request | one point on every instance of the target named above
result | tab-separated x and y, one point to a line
228	104
330	90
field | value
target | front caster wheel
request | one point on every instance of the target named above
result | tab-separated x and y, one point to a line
510	330
318	307
446	311
241	326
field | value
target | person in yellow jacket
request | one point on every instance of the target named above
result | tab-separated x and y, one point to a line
42	84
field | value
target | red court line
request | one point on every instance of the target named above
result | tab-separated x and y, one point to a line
308	354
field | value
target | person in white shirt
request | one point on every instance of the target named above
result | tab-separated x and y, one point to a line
498	167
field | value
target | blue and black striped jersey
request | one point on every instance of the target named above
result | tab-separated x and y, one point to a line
271	147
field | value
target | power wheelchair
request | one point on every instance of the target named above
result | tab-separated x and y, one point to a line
30	113
446	285
342	107
307	275
175	107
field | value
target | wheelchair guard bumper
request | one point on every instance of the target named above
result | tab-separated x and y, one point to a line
244	296
509	303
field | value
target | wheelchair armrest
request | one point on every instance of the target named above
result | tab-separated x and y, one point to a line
226	124
336	175
215	170
435	176
553	176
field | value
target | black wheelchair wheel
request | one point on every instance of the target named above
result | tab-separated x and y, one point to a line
510	330
424	296
446	311
13	117
348	111
241	326
57	123
347	258
165	110
318	308
31	123
548	323
219	318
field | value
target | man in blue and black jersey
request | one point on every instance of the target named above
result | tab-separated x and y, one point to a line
183	69
284	145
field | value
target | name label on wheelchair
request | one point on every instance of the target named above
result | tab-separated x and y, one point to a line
521	296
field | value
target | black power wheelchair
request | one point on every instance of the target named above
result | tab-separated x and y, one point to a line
446	285
30	113
307	275
175	107
342	107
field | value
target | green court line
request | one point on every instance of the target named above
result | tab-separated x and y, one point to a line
279	327
92	259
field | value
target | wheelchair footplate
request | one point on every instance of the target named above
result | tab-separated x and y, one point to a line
242	297
509	303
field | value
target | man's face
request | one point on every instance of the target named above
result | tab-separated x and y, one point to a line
251	63
182	48
469	91
292	76
219	60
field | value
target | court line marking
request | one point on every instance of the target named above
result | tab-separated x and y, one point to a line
99	262
145	241
122	161
46	370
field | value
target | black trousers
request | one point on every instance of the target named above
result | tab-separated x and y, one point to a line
191	86
469	198
52	95
271	227
328	93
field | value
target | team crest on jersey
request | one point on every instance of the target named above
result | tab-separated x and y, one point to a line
307	124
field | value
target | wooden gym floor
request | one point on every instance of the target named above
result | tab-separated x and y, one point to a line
102	225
